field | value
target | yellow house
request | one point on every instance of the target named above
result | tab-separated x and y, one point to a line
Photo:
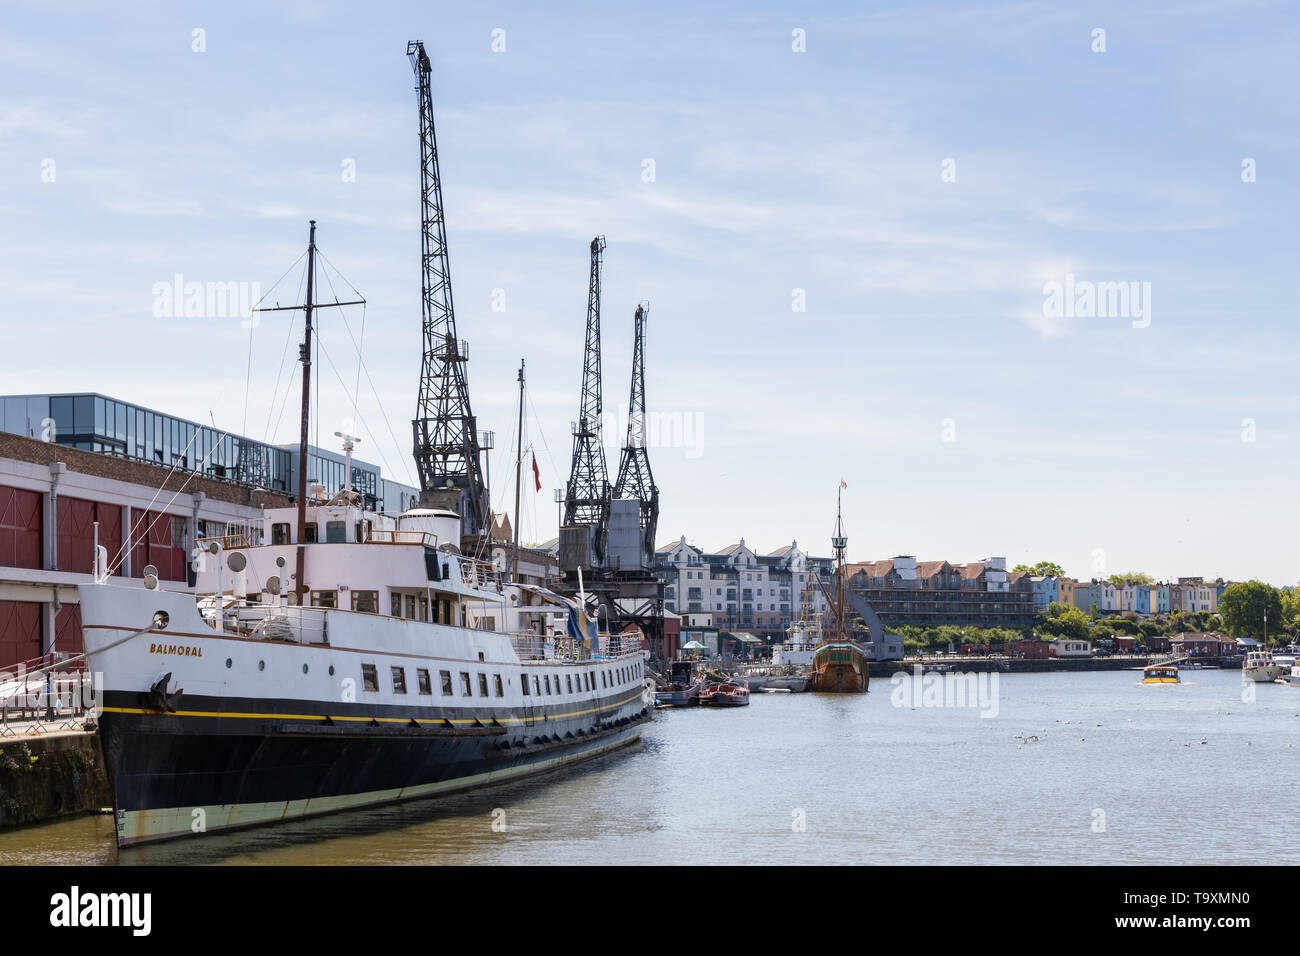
1065	590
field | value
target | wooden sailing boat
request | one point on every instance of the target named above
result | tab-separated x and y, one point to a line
839	664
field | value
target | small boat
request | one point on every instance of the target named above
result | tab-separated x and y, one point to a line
724	694
1262	667
678	688
1160	674
678	695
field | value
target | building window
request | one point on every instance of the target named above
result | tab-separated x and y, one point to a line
548	683
482	685
365	601
324	599
524	683
422	679
466	689
394	604
336	532
500	688
309	533
369	677
280	533
445	677
568	681
399	680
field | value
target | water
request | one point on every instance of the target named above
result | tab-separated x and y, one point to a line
873	783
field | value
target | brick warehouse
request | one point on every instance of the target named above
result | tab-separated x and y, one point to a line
52	495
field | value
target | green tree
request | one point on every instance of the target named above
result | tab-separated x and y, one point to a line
1070	622
1291	610
1044	569
1138	577
1244	606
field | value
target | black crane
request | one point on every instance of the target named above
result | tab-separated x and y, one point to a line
447	451
635	479
587	495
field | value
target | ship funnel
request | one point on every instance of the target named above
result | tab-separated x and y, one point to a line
442	524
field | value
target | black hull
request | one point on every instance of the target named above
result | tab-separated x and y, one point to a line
205	769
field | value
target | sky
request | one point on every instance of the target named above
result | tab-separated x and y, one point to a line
846	217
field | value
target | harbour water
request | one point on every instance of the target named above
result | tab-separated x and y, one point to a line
1119	773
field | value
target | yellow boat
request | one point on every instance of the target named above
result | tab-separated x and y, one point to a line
1160	674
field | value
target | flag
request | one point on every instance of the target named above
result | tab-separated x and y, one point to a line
843	483
537	475
580	627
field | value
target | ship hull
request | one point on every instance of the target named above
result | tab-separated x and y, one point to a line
180	776
839	668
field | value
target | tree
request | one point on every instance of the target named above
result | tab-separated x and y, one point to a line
1291	610
1243	608
1137	577
1071	622
1043	569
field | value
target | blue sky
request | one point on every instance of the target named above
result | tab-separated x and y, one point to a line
1077	440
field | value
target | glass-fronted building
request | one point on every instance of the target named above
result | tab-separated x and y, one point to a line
98	423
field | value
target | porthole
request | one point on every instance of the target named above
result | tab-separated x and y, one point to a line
229	662
261	665
304	668
331	670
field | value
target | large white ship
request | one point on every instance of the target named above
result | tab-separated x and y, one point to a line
236	707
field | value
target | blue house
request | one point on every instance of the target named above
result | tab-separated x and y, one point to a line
1045	592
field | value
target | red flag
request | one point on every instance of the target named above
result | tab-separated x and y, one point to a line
537	475
843	483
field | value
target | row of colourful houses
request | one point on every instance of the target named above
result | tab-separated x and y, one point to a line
1188	595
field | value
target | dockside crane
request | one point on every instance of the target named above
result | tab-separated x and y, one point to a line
447	452
635	480
587	495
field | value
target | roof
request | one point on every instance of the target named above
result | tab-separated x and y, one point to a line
928	569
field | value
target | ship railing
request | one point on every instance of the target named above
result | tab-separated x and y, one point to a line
532	647
384	536
227	541
271	622
481	574
617	645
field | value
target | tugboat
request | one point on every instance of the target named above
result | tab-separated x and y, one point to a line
839	664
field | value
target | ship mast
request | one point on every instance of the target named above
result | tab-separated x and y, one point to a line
519	464
304	356
839	542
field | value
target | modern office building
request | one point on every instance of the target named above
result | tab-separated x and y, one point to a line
97	423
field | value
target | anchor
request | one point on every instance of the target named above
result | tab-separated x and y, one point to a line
158	699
